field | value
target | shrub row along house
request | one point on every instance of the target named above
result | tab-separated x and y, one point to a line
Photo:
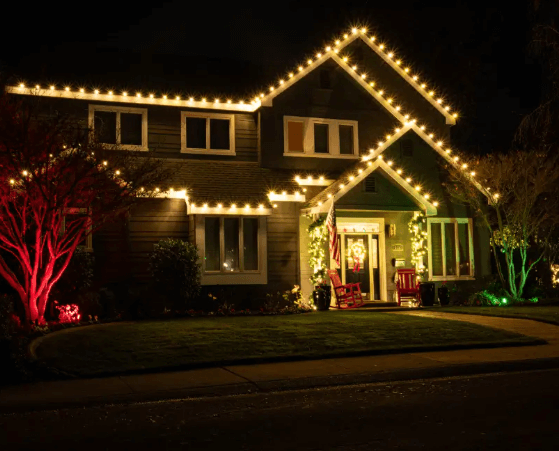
353	126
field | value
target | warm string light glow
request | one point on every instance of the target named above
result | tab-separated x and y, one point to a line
328	51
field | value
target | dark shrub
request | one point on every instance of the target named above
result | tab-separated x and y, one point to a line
176	271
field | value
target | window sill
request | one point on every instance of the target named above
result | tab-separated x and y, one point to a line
208	152
320	155
125	147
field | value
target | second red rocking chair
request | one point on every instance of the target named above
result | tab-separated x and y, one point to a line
348	295
407	285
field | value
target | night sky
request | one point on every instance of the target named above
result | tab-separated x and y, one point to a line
475	54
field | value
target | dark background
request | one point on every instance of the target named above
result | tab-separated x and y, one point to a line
474	53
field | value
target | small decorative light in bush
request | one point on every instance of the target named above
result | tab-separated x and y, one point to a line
68	314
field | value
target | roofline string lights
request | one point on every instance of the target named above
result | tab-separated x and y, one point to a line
433	142
256	101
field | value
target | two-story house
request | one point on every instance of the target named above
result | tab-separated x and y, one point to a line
353	126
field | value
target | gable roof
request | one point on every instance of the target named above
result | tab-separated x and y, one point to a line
330	52
349	180
358	172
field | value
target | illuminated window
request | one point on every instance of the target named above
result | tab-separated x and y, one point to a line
451	254
295	136
122	127
318	137
208	133
231	244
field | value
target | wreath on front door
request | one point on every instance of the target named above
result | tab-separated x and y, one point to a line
357	253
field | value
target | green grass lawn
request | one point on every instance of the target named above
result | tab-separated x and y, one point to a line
548	314
122	347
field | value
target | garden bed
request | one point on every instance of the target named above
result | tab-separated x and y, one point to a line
194	342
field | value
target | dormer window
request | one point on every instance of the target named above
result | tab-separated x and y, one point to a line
317	137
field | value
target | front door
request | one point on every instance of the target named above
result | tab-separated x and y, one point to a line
356	267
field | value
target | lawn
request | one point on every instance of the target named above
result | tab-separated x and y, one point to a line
548	314
182	343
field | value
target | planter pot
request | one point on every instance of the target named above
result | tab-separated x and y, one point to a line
321	299
427	290
444	298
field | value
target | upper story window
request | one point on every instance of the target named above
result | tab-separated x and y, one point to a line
122	127
207	133
451	248
316	137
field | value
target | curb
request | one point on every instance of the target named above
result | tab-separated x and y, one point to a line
307	383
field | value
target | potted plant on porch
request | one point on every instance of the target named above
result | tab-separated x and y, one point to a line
322	293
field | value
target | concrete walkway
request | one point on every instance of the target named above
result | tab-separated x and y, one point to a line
295	375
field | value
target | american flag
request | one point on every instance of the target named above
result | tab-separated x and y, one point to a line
333	231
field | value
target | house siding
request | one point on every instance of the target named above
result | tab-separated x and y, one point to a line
283	246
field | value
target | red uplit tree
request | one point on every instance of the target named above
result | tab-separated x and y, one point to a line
57	185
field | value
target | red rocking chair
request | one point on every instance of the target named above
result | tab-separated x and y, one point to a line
407	285
348	295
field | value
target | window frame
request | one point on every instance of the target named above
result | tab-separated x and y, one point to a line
454	221
118	110
241	269
88	246
308	137
208	150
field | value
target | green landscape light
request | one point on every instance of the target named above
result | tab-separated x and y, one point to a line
504	300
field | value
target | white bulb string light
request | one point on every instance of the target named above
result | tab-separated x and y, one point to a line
330	51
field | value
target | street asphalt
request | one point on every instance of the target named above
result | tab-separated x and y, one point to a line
503	411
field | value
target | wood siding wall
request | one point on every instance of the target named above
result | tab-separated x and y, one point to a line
283	247
122	247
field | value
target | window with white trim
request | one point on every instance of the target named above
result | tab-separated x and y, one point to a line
122	127
231	244
322	138
80	214
451	248
207	133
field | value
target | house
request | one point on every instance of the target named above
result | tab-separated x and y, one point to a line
353	126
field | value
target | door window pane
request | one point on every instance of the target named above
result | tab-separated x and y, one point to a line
321	138
212	244
196	133
450	249
346	139
250	243
436	250
464	249
295	136
104	124
131	129
219	134
231	242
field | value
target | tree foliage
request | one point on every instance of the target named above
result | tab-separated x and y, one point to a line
516	195
57	185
